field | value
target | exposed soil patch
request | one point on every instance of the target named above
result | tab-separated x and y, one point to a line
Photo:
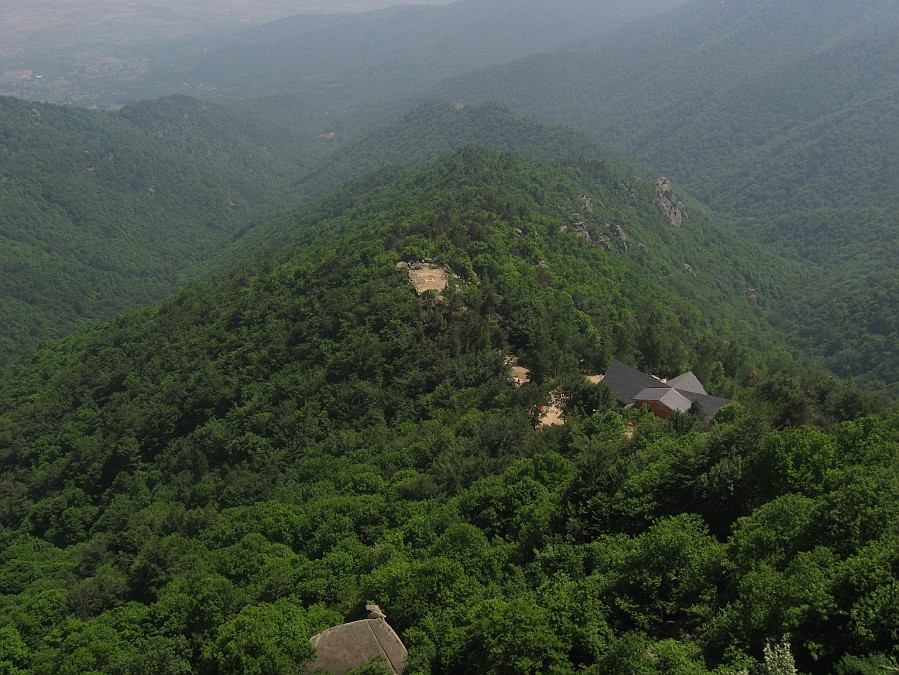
520	375
428	278
552	415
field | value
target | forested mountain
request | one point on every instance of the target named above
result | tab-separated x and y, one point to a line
202	485
259	146
104	211
421	135
329	418
436	127
722	267
780	116
116	210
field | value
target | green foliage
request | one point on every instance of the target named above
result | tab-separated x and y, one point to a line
202	485
103	212
269	638
773	116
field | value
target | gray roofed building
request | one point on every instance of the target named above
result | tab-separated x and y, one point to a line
626	382
688	382
631	387
709	404
672	399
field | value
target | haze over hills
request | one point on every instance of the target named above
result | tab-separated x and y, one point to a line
31	25
349	58
780	116
394	51
717	85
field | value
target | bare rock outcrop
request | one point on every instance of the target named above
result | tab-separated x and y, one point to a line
587	202
622	236
633	197
579	227
673	209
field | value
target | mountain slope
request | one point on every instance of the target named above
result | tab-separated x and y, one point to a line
436	127
778	115
419	136
211	481
260	146
431	129
692	90
105	211
615	210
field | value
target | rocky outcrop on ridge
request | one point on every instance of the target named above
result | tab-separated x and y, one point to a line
673	209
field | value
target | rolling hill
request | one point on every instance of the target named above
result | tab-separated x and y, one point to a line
779	116
202	485
432	129
105	211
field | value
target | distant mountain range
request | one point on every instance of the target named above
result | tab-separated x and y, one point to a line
777	116
780	116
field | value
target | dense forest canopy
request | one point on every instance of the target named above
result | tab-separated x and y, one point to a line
103	211
330	332
211	481
773	114
779	116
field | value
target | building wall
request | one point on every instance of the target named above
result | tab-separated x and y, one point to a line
657	407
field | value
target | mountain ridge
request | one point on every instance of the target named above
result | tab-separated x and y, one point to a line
217	478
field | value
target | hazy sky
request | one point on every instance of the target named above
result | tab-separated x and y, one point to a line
35	24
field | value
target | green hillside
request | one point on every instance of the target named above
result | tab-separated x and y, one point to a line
260	145
202	485
105	211
436	127
419	136
704	264
777	115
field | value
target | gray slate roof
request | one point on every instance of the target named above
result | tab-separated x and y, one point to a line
672	398
626	382
709	404
629	384
688	382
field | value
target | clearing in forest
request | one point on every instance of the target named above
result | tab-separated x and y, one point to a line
428	278
552	415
